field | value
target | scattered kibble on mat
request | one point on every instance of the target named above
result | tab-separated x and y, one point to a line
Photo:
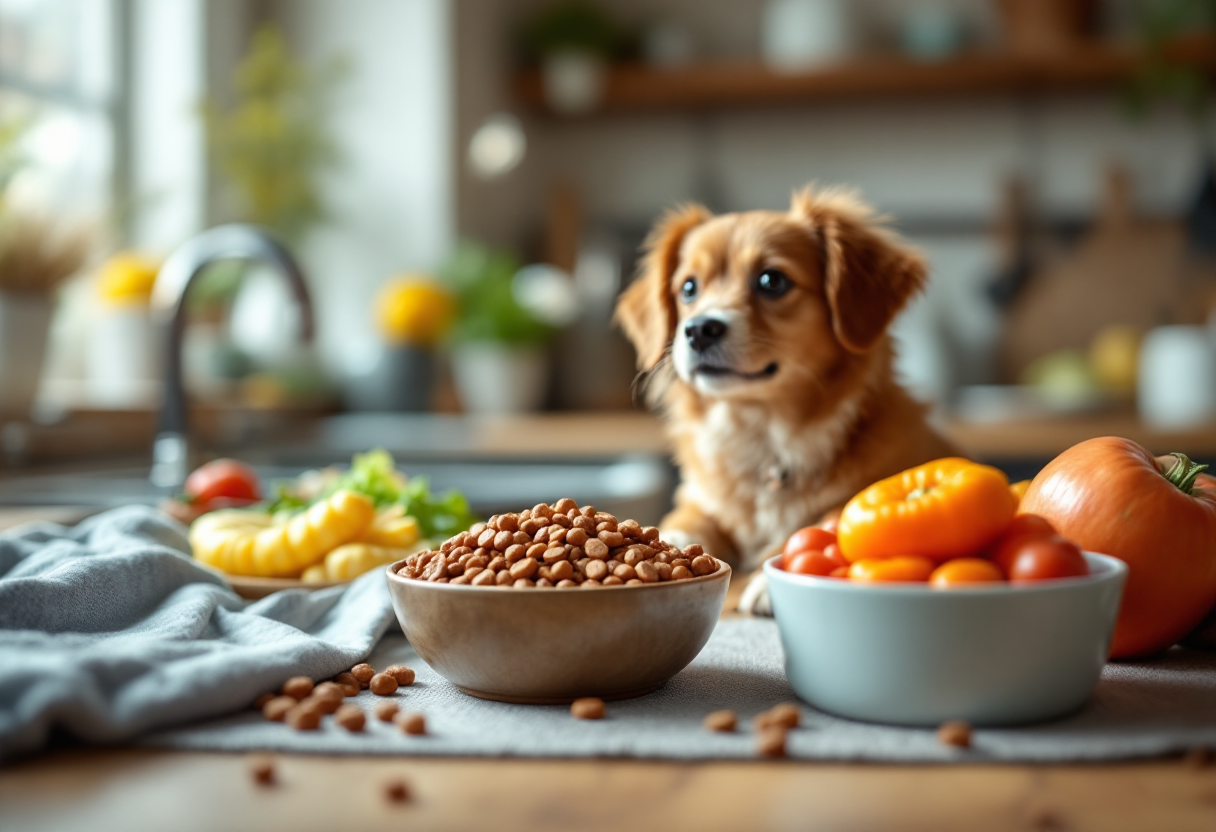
410	722
297	687
349	684
363	673
261	769
785	715
588	707
721	721
770	742
397	790
277	708
559	545
304	717
955	733
382	684
385	711
351	717
403	674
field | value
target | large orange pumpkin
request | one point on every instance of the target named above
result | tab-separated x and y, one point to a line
1112	496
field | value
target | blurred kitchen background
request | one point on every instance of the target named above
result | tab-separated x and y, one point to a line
465	183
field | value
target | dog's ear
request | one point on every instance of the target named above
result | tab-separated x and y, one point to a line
869	274
646	310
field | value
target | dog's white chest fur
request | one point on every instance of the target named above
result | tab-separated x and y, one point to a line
767	479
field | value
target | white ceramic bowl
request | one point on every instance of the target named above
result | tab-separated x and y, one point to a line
911	655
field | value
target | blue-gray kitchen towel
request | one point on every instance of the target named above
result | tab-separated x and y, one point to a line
109	629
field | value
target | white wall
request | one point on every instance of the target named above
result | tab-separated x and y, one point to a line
392	199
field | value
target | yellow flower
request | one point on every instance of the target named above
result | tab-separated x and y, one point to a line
127	278
413	309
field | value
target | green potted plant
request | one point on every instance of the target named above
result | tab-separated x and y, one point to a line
572	41
499	357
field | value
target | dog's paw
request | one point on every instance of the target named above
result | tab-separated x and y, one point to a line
755	600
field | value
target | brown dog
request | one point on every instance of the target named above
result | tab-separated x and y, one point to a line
764	339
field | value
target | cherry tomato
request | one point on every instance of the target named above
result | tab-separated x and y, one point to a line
965	571
222	479
1042	558
1023	527
811	538
900	568
817	562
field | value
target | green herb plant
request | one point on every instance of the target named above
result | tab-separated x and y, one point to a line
482	280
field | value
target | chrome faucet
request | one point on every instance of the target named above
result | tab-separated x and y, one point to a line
170	452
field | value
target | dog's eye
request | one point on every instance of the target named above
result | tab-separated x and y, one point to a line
689	290
772	283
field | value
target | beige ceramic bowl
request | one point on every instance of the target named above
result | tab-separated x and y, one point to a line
554	645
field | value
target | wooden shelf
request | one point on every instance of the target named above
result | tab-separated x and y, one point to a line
711	85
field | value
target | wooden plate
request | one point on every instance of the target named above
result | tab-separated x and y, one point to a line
254	588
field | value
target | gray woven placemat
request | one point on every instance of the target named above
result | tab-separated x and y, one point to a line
1138	710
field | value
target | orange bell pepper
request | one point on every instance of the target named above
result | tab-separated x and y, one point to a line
945	509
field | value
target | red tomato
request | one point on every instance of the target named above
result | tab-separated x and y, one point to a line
1022	528
811	538
1041	558
223	479
1112	496
816	562
964	571
900	568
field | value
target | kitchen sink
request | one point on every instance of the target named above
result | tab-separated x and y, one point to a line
632	486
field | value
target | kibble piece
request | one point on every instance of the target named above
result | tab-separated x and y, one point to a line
485	578
954	733
612	580
404	675
647	572
785	715
261	701
383	684
721	721
329	690
597	570
303	718
681	573
297	687
277	708
704	565
349	684
411	722
351	717
610	539
503	578
324	704
596	548
525	568
261	769
398	791
523	583
385	711
363	673
771	742
589	707
564	505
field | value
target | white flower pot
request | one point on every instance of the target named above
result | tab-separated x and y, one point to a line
25	320
496	379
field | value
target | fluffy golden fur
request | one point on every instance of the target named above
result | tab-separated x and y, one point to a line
796	408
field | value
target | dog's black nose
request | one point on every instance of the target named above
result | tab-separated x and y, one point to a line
702	333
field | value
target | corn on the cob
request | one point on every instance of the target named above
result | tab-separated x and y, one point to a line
253	543
392	529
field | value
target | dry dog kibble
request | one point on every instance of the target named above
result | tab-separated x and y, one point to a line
955	733
349	684
261	769
785	715
410	722
588	707
350	717
398	791
297	687
363	673
721	721
404	675
277	708
324	704
385	711
261	701
559	545
383	684
770	742
303	718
